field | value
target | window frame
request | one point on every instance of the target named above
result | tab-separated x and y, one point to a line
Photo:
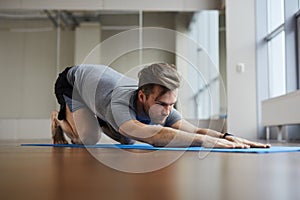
269	38
291	53
297	15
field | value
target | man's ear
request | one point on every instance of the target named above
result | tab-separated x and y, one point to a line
141	96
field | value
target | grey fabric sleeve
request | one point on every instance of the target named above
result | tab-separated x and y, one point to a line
173	117
121	108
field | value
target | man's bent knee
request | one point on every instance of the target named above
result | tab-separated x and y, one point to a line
88	138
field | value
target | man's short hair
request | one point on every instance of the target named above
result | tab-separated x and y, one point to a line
162	74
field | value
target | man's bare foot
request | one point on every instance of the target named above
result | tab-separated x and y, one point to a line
57	132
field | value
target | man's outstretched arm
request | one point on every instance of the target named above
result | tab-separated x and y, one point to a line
186	126
165	136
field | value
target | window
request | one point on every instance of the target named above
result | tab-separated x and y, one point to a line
298	44
277	55
276	59
276	48
275	14
204	76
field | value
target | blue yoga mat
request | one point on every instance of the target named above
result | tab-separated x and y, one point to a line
275	149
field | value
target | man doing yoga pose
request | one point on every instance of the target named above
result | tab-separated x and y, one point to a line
96	98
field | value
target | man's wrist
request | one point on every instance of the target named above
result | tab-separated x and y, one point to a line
223	136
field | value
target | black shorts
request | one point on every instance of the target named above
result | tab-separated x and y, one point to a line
65	97
63	88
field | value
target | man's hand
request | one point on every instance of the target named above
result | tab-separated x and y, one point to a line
238	140
213	142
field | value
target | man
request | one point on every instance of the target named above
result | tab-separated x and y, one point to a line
93	95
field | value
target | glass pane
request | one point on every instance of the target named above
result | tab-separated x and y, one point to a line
204	30
275	14
277	77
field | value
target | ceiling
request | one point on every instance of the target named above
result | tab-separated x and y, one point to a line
43	20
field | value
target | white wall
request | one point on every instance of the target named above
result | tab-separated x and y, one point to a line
121	51
27	64
87	37
241	87
27	73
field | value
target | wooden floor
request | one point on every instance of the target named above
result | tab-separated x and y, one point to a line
73	173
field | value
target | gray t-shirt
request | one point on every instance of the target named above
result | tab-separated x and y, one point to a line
109	94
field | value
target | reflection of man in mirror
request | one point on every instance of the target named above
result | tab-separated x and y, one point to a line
94	96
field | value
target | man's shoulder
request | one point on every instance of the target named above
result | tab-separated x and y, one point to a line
122	93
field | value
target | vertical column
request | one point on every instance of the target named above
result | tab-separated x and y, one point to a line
140	37
87	39
241	48
291	7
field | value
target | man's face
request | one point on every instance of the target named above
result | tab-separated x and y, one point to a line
159	107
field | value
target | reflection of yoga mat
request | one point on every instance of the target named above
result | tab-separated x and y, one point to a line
275	149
